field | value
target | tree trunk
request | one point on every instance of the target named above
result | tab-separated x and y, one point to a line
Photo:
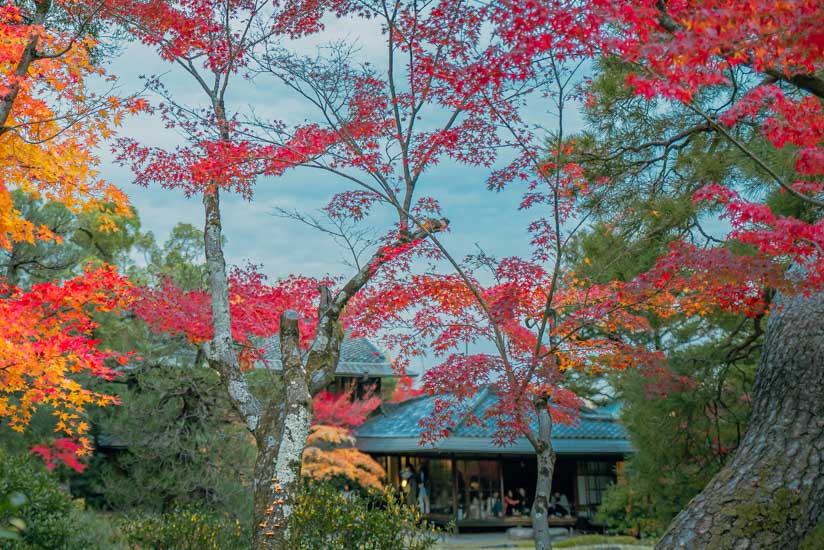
771	492
282	438
545	456
220	352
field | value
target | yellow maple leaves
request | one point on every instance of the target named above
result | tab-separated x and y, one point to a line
50	128
330	452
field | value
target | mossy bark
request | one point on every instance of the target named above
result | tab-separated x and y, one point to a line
771	492
281	441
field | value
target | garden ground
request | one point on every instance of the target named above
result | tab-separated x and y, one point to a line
472	541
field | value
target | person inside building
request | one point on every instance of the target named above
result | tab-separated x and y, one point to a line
511	504
495	505
524	507
559	505
423	490
409	483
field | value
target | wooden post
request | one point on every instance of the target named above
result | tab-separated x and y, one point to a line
454	493
501	478
575	497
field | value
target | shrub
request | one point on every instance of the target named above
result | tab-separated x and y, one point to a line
628	509
600	540
185	528
49	518
323	518
815	539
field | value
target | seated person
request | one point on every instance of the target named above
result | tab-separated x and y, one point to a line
559	505
495	505
511	504
475	508
525	507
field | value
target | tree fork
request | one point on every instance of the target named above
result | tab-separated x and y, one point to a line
771	492
282	438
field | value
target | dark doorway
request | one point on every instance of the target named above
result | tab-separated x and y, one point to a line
563	478
520	473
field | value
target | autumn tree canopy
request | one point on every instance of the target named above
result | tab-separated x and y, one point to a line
453	82
51	123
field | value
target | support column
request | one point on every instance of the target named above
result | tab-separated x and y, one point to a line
454	469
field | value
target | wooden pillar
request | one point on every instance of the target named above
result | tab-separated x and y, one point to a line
575	502
501	478
454	493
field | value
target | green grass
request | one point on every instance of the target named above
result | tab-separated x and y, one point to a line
589	540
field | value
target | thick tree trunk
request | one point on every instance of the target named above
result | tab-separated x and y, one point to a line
281	442
543	488
771	493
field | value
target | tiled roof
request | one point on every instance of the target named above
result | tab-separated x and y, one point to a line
358	357
397	429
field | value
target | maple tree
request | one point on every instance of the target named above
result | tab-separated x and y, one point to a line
50	122
767	58
367	131
49	340
764	60
358	112
330	448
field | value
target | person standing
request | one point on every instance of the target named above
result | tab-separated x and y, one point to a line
423	491
411	486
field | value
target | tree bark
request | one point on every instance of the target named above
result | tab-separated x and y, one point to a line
220	351
545	456
282	438
771	492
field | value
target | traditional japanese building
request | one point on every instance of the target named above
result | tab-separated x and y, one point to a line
467	471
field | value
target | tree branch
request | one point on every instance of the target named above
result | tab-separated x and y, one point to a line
325	350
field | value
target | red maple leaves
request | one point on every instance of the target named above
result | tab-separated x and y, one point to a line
255	306
47	338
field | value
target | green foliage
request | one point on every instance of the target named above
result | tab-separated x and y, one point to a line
628	507
12	525
324	519
684	423
686	417
186	528
174	441
46	517
815	539
82	242
180	257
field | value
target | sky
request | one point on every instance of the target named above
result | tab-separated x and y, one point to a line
478	217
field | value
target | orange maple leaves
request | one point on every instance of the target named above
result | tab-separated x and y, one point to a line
47	338
49	124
